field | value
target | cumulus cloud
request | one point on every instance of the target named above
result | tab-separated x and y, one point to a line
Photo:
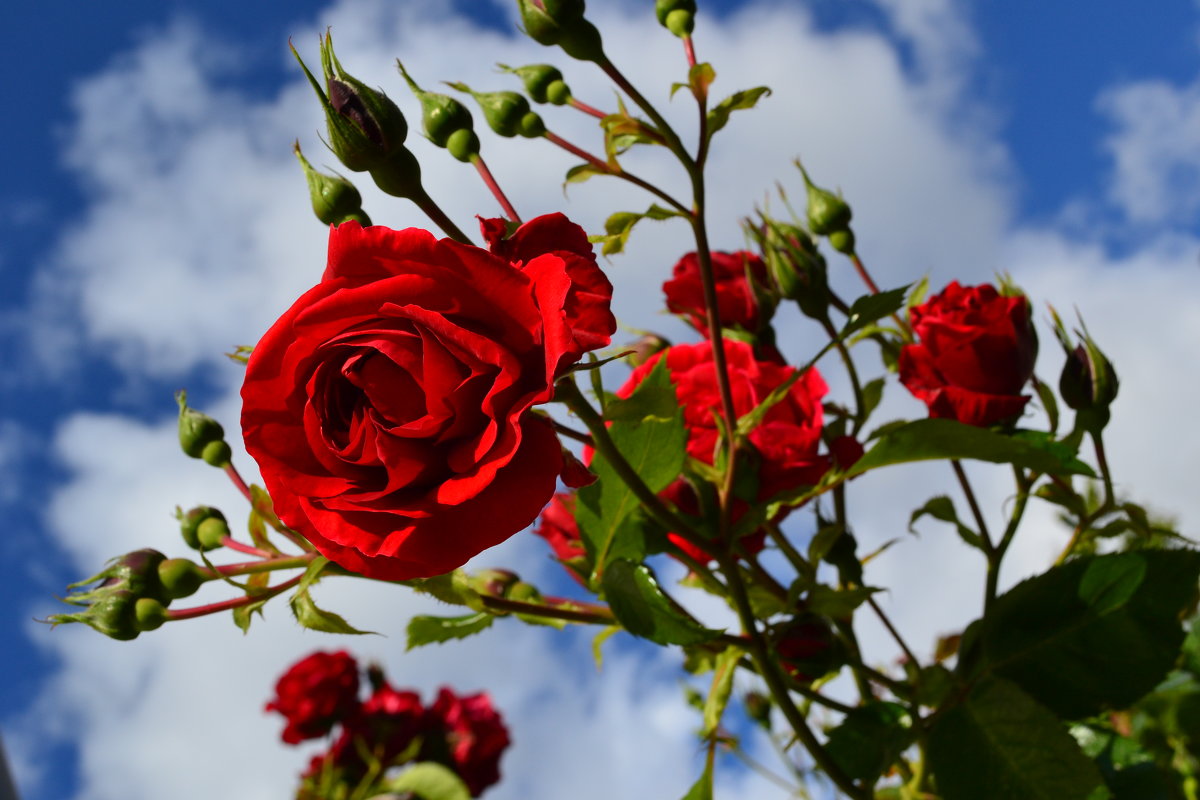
198	236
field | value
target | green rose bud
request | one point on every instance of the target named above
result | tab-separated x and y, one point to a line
366	129
677	16
543	82
544	20
197	431
334	199
180	578
211	532
149	613
110	605
1088	383
827	212
189	526
445	119
506	113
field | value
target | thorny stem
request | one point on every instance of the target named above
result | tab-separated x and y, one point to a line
769	669
672	139
264	565
1102	462
617	172
494	188
860	417
237	602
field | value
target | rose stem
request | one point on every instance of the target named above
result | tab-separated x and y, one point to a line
887	623
861	269
598	616
672	139
993	576
226	605
770	671
585	108
1102	461
270	517
438	217
616	171
267	565
494	188
234	544
985	537
571	433
689	50
859	406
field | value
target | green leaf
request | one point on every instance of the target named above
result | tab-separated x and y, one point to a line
423	630
598	644
942	508
718	116
702	789
838	603
451	587
644	610
429	780
870	739
607	511
309	615
722	687
1062	451
872	393
871	308
929	439
619	225
1096	633
999	744
242	615
581	172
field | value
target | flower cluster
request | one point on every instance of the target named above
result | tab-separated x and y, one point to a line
389	728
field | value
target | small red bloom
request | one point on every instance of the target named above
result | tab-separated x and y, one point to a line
388	408
737	306
315	693
475	737
976	352
557	526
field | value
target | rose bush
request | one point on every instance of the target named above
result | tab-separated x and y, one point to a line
975	353
388	408
315	693
737	304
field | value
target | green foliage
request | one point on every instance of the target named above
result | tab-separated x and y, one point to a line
423	629
645	610
428	781
870	739
718	115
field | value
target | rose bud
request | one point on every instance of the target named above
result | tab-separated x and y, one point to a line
975	352
1088	383
828	214
149	613
113	615
544	83
561	22
111	604
334	199
180	577
506	113
447	122
191	523
677	16
807	647
200	435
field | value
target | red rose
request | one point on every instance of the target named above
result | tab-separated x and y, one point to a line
682	495
557	526
315	693
388	407
975	355
789	435
807	647
736	303
475	737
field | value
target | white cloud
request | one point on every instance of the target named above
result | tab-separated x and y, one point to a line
1156	178
198	236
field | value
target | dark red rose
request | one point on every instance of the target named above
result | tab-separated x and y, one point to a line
475	738
315	693
388	408
807	647
682	495
790	433
386	726
975	354
557	526
736	304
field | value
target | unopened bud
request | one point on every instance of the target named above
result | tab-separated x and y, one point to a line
1088	383
677	16
150	614
507	113
334	199
191	523
198	431
561	22
447	122
828	213
646	347
110	605
796	266
544	83
180	578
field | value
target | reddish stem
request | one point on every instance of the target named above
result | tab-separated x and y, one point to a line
226	605
236	477
495	189
234	544
554	138
585	108
690	50
862	273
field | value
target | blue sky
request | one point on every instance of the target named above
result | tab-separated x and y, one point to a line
1055	141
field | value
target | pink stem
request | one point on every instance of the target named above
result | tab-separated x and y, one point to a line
690	50
585	108
226	605
495	189
234	544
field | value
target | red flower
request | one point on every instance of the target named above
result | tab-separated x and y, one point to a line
475	737
736	303
807	647
315	693
682	495
388	407
557	526
976	353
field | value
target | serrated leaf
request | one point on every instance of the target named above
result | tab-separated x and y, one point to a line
931	439
642	608
1062	451
722	688
309	615
1095	633
242	615
581	172
942	508
607	511
870	739
429	780
718	116
423	629
871	308
450	587
999	744
619	226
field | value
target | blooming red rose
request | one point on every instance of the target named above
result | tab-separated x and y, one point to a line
975	353
682	495
737	305
388	408
475	737
315	693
